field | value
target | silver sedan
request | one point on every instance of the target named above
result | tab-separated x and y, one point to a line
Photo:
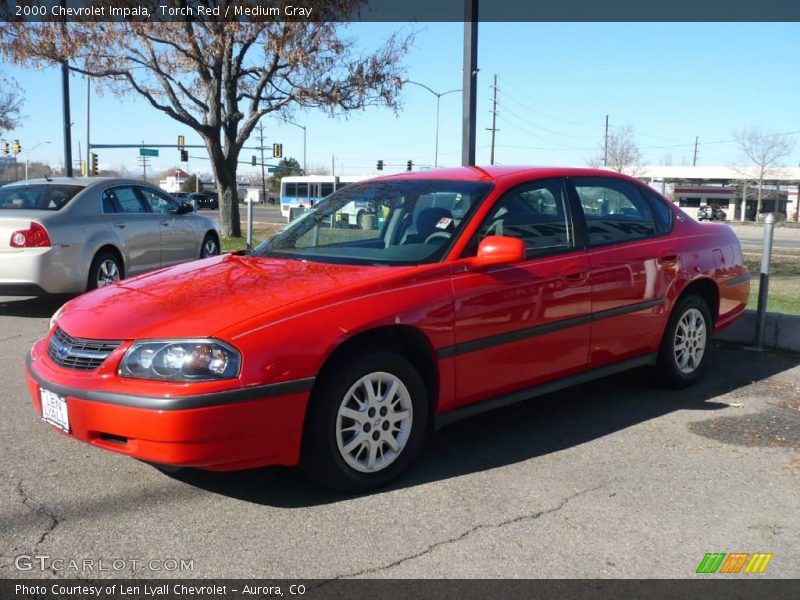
69	235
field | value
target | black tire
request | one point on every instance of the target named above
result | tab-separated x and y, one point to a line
322	459
100	265
206	247
669	370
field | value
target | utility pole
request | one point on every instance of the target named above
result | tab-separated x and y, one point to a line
263	178
694	162
605	148
493	128
333	165
470	68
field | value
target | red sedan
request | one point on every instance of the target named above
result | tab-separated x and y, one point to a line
338	347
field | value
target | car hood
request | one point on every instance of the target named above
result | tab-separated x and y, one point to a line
201	298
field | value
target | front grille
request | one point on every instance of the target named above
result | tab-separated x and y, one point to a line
78	353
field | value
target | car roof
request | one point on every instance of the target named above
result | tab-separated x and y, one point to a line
497	172
79	181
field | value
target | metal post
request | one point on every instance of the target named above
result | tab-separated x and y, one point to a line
763	283
263	177
88	120
694	161
494	119
436	144
67	119
304	151
605	146
470	96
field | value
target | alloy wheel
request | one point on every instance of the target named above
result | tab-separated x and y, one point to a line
690	341
108	273
373	422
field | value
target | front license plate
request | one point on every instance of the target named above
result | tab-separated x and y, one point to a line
54	409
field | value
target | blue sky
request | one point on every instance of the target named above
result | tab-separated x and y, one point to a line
669	81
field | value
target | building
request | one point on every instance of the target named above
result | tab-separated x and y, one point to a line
733	189
174	181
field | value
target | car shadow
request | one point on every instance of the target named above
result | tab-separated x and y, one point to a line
521	432
36	307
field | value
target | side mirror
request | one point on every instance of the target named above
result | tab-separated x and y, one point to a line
499	250
185	207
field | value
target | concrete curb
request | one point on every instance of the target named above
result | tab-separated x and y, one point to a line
781	331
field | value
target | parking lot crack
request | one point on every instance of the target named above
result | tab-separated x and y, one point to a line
465	534
40	510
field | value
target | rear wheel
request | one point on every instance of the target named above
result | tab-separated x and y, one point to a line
106	269
366	423
686	344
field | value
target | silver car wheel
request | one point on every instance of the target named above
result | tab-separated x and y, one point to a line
209	248
108	273
374	422
689	345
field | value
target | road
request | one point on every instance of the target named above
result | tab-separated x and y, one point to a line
752	237
613	479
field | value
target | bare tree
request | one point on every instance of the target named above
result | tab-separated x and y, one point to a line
764	151
623	154
10	104
220	78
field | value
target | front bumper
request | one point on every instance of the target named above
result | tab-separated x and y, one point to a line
222	431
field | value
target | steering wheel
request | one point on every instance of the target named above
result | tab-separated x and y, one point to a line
446	235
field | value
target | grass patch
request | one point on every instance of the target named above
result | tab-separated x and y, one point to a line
784	281
260	233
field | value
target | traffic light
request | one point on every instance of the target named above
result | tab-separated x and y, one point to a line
181	142
409	164
277	150
254	162
6	149
93	170
184	156
17	148
380	165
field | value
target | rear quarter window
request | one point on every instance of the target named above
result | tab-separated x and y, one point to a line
662	213
37	196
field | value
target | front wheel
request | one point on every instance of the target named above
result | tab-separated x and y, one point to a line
686	344
366	422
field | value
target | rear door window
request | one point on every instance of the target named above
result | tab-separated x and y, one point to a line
615	210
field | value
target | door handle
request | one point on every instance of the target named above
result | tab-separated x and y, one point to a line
165	223
668	257
119	225
575	276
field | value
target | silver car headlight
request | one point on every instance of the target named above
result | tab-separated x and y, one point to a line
181	360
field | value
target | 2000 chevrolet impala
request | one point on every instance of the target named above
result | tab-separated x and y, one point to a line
337	347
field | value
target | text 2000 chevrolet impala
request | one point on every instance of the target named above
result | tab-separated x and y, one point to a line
338	347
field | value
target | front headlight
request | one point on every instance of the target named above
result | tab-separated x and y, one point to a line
181	360
55	317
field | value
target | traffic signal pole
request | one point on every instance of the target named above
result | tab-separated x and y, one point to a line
469	114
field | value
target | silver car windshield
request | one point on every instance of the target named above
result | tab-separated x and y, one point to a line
384	222
37	196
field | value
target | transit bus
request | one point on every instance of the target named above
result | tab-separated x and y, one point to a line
306	190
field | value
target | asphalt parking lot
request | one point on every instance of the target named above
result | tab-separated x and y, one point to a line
613	479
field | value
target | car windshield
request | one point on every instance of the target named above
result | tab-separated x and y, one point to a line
37	196
384	222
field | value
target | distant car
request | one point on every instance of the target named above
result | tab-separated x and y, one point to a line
204	201
69	235
180	196
336	347
711	213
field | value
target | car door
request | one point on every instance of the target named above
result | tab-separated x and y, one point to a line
522	324
632	264
135	227
179	241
